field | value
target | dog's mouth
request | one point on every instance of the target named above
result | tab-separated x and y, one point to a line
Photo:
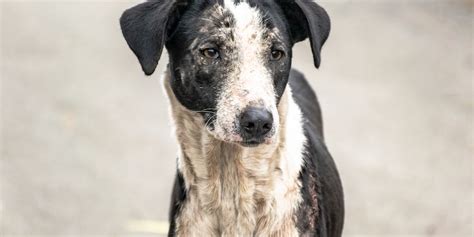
233	134
238	140
252	143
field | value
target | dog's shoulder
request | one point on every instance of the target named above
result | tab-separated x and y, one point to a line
305	97
322	210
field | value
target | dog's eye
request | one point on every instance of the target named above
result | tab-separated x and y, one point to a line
210	53
276	55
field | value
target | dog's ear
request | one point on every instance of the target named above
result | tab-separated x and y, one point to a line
307	19
145	29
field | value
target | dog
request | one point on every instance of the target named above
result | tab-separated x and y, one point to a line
252	159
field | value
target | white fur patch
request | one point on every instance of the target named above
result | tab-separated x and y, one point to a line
249	82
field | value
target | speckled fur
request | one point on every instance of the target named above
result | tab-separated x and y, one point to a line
237	191
248	82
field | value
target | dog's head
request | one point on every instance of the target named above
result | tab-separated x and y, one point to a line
229	60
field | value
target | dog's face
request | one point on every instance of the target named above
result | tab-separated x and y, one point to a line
231	64
229	60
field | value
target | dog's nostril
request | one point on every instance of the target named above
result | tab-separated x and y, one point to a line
249	126
267	126
255	123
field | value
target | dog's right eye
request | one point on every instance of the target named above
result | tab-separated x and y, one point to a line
210	53
276	55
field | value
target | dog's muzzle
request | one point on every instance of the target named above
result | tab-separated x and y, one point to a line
255	125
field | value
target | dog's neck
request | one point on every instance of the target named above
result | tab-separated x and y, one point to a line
232	190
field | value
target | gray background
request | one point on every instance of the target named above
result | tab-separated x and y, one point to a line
86	143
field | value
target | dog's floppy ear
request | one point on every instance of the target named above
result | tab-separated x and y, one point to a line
145	30
307	19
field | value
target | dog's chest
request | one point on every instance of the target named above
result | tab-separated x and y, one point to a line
239	197
234	191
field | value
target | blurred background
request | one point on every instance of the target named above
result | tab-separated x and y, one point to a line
86	145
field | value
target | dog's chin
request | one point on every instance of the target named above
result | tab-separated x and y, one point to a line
257	142
248	143
236	139
252	143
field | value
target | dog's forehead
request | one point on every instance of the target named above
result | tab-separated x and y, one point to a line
216	18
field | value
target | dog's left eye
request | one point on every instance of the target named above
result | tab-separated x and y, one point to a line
276	55
210	53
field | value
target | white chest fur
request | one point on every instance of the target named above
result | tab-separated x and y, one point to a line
236	191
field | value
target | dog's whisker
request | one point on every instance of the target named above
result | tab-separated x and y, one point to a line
210	120
208	110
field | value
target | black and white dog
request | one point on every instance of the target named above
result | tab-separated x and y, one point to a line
252	158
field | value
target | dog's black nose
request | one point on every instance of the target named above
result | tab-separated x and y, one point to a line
255	123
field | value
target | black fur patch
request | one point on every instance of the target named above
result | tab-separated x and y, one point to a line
322	211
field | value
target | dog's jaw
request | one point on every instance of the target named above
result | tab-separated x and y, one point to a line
233	190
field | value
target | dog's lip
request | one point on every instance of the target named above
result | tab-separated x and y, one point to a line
251	143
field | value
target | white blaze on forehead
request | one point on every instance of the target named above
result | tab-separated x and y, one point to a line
250	70
249	81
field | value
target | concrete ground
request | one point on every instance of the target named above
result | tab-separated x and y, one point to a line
87	150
